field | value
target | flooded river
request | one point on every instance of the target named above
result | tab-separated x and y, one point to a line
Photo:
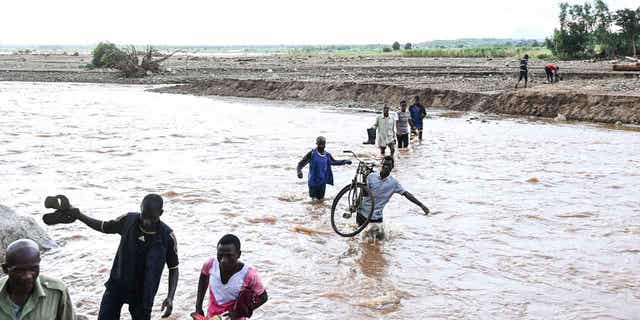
533	219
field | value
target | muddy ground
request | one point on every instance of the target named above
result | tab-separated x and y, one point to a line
587	87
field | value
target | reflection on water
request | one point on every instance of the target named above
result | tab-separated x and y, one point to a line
533	219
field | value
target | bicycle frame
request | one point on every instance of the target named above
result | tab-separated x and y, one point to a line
363	170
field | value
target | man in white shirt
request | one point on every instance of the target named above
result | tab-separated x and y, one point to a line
385	131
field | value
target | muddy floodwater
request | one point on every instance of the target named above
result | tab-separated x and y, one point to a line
532	219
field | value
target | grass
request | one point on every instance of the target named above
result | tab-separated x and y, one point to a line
478	52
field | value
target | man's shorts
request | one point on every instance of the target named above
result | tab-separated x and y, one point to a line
361	220
317	192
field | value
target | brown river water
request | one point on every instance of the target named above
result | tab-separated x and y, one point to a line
532	219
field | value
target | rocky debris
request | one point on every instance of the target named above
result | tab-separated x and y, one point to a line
14	226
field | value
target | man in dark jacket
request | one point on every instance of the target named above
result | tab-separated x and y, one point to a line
320	173
146	245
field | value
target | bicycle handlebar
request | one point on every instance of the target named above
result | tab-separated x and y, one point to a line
353	154
356	156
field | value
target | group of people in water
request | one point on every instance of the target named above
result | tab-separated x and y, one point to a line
550	70
389	128
147	244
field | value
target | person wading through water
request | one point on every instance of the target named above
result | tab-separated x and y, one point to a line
320	174
146	245
386	132
383	186
234	287
402	124
418	113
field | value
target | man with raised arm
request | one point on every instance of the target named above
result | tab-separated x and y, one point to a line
146	245
320	173
383	186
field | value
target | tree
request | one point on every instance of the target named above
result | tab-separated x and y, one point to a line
407	46
574	38
602	34
108	55
396	46
629	22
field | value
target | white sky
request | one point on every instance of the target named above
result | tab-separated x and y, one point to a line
244	22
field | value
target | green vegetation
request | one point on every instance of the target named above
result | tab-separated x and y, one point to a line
395	46
478	52
587	31
107	55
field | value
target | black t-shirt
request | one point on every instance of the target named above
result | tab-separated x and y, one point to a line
117	226
524	65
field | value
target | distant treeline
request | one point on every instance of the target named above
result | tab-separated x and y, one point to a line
592	30
479	52
480	43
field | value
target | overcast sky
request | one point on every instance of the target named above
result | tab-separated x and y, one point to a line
244	22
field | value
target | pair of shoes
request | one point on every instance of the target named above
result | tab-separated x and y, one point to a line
58	217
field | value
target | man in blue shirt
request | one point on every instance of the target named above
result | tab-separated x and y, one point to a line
418	112
320	174
383	186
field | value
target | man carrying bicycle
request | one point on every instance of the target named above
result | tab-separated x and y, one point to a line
320	174
383	186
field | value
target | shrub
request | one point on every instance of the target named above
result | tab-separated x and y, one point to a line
408	46
386	49
106	54
396	46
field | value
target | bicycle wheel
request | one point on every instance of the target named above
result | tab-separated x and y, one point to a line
345	207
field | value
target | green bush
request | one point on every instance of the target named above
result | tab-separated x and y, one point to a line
107	54
543	55
386	49
396	46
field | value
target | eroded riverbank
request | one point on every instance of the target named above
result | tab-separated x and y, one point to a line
570	105
590	90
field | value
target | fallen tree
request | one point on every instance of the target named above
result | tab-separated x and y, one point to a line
108	55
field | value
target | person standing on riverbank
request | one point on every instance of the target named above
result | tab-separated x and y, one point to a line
385	131
234	287
320	174
524	70
146	245
402	125
418	113
26	294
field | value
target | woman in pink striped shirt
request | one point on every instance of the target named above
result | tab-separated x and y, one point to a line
234	287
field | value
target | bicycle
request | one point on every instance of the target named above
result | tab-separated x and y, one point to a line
353	198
